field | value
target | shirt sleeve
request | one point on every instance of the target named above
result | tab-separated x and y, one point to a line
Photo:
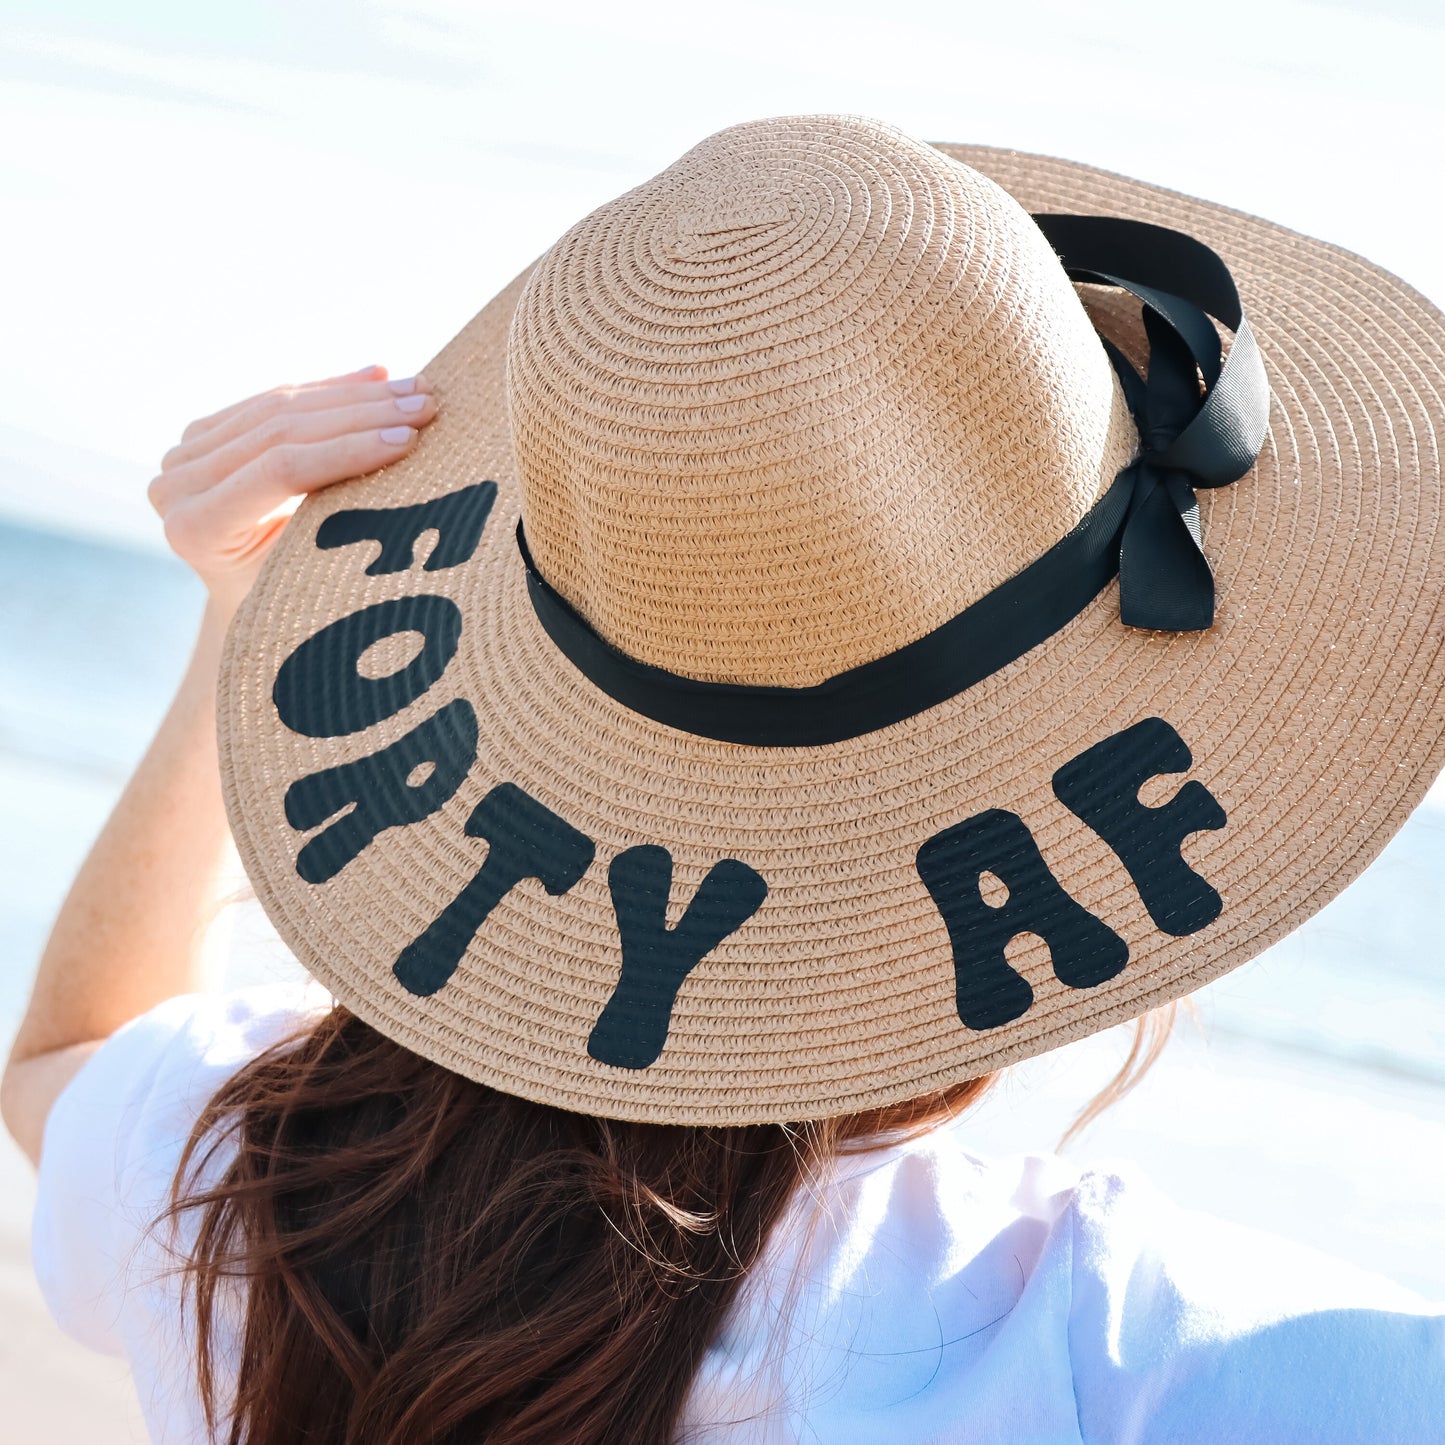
1184	1327
114	1136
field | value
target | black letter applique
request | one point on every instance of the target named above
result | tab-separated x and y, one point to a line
1102	786
318	690
457	518
989	993
526	840
377	791
632	1029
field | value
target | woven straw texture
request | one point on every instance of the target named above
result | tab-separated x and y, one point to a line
778	411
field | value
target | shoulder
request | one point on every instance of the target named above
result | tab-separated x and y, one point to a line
114	1137
164	1065
907	1287
1130	1239
924	1283
137	1096
214	1031
1181	1322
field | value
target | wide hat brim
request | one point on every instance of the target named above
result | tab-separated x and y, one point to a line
1312	710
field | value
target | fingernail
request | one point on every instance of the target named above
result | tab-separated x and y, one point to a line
396	436
410	403
404	387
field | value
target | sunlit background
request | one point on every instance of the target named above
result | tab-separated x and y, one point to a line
199	200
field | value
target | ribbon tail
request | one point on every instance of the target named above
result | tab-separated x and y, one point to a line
1165	583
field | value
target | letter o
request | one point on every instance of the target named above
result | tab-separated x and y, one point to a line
320	693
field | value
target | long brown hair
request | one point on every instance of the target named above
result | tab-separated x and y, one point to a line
428	1261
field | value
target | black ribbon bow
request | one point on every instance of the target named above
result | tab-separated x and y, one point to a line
1190	437
1201	421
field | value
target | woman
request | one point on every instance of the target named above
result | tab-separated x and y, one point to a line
680	863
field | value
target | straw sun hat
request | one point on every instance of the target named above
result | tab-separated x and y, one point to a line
800	752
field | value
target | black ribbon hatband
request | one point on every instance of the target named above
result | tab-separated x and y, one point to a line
1201	419
1186	440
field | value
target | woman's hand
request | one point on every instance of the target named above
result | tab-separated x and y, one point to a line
228	487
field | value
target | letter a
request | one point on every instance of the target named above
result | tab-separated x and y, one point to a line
989	993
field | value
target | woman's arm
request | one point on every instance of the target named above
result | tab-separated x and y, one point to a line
128	935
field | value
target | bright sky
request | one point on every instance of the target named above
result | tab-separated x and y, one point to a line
203	199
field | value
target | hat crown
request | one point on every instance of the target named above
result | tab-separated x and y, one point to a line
799	399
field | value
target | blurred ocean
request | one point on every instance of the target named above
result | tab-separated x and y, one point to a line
93	637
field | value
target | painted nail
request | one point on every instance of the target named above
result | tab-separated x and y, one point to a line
396	436
404	387
411	403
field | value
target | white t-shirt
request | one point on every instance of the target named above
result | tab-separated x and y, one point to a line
919	1295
